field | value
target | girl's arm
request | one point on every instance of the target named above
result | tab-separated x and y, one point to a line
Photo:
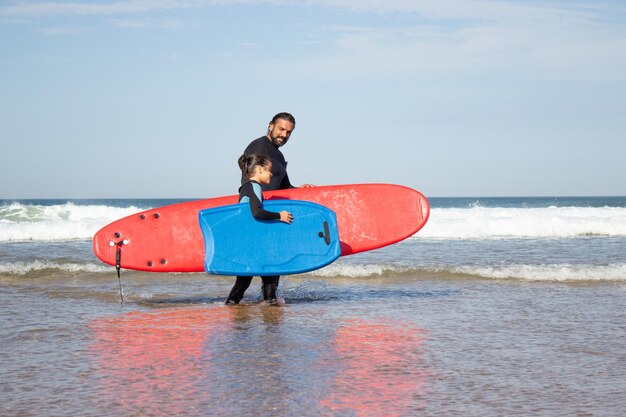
256	206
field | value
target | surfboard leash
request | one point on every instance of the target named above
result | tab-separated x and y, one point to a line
118	266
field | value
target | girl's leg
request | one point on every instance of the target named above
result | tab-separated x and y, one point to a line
238	290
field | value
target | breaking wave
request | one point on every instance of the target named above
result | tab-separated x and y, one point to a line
69	221
550	222
552	272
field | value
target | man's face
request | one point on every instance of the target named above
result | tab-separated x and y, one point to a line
280	131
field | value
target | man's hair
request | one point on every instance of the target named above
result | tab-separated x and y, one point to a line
284	116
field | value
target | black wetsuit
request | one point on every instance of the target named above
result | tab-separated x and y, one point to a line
263	146
247	193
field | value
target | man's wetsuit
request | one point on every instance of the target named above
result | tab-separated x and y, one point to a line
263	146
250	192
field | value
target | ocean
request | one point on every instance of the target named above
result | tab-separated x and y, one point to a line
497	307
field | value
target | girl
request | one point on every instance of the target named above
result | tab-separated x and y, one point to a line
258	170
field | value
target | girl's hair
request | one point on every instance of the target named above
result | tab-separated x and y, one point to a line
247	164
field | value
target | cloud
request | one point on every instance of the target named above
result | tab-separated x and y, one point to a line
454	9
428	9
59	30
170	24
432	51
502	38
45	9
553	39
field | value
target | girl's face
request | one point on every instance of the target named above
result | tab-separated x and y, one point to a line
264	173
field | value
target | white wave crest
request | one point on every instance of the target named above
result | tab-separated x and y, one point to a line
354	271
555	272
24	268
551	222
27	222
561	272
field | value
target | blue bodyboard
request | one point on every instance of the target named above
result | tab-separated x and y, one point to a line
236	243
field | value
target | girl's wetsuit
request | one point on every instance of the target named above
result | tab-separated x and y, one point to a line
251	192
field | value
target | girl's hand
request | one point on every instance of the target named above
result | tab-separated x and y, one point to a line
286	217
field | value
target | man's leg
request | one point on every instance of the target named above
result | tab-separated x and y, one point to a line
270	285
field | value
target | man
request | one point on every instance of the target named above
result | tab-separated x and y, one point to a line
278	133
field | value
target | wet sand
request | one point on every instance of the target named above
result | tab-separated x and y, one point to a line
396	345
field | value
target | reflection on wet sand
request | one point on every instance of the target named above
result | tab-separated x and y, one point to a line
381	371
174	361
148	362
216	360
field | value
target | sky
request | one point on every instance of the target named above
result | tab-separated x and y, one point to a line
157	99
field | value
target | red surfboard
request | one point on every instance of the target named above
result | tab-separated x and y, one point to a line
169	239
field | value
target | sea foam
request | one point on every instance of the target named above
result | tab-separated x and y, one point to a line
556	272
550	222
552	272
27	222
25	268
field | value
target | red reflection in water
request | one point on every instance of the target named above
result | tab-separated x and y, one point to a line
150	362
382	373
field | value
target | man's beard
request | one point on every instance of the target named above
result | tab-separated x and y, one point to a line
276	142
